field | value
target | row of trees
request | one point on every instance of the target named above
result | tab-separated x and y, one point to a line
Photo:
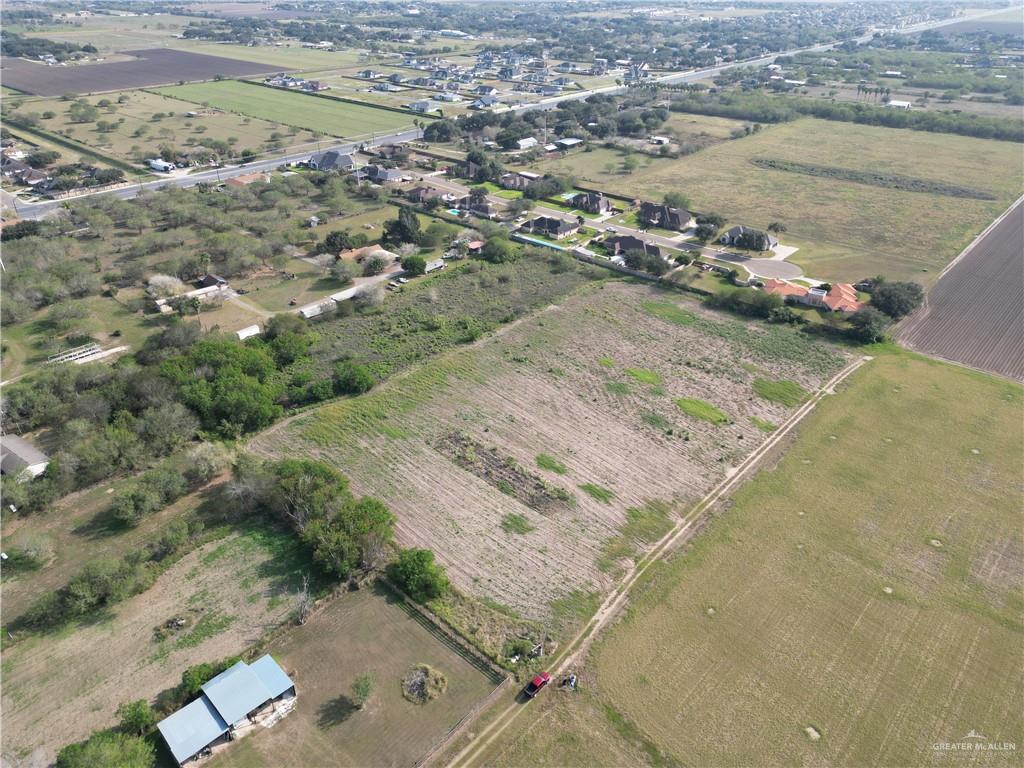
767	109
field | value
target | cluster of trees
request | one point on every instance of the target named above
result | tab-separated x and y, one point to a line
109	580
708	226
645	262
16	45
343	532
768	109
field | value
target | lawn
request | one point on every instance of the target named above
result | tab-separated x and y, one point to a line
847	230
368	631
328	116
887	618
600	165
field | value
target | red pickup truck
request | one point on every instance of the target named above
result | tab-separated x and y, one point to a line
534	686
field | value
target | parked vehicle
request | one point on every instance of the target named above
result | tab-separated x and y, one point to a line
534	687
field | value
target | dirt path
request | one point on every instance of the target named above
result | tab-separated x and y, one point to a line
577	649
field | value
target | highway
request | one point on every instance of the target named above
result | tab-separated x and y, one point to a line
39	210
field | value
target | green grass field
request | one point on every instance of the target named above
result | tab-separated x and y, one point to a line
138	133
328	116
868	587
846	230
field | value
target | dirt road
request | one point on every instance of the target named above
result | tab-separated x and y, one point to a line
575	651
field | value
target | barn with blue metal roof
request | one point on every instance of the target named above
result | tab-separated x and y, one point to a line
230	704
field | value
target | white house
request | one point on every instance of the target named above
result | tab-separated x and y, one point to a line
528	143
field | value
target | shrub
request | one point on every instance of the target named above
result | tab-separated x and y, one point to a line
418	574
108	749
352	378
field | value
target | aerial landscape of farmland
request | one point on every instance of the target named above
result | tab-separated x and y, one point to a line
451	384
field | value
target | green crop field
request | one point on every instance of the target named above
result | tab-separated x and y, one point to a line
884	615
847	230
328	116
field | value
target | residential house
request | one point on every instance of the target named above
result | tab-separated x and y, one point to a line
421	106
565	66
478	206
508	73
20	459
230	705
748	237
550	90
838	297
663	216
528	143
397	78
563	82
384	87
332	160
591	202
448	97
551	227
518	179
248	178
369	74
842	297
485	102
485	90
619	245
422	194
382	175
785	290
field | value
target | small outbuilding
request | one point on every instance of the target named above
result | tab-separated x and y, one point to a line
20	459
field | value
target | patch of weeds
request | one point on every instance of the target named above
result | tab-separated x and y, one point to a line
701	409
211	625
606	362
550	463
516	523
785	391
657	421
644	376
505	487
669	312
597	492
644	525
576	607
617	387
764	426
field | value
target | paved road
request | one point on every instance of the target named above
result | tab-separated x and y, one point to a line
975	313
39	210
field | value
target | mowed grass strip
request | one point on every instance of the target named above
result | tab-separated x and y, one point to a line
785	392
815	600
701	409
328	116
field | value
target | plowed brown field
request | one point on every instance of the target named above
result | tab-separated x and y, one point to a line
594	384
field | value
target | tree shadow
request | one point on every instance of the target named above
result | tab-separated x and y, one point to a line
335	712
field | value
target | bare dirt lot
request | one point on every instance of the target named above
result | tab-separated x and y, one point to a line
152	66
975	314
60	687
363	632
614	399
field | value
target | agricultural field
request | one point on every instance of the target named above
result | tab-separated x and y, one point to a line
289	57
974	314
151	66
324	115
112	33
365	632
848	230
602	166
586	429
135	128
59	687
790	613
